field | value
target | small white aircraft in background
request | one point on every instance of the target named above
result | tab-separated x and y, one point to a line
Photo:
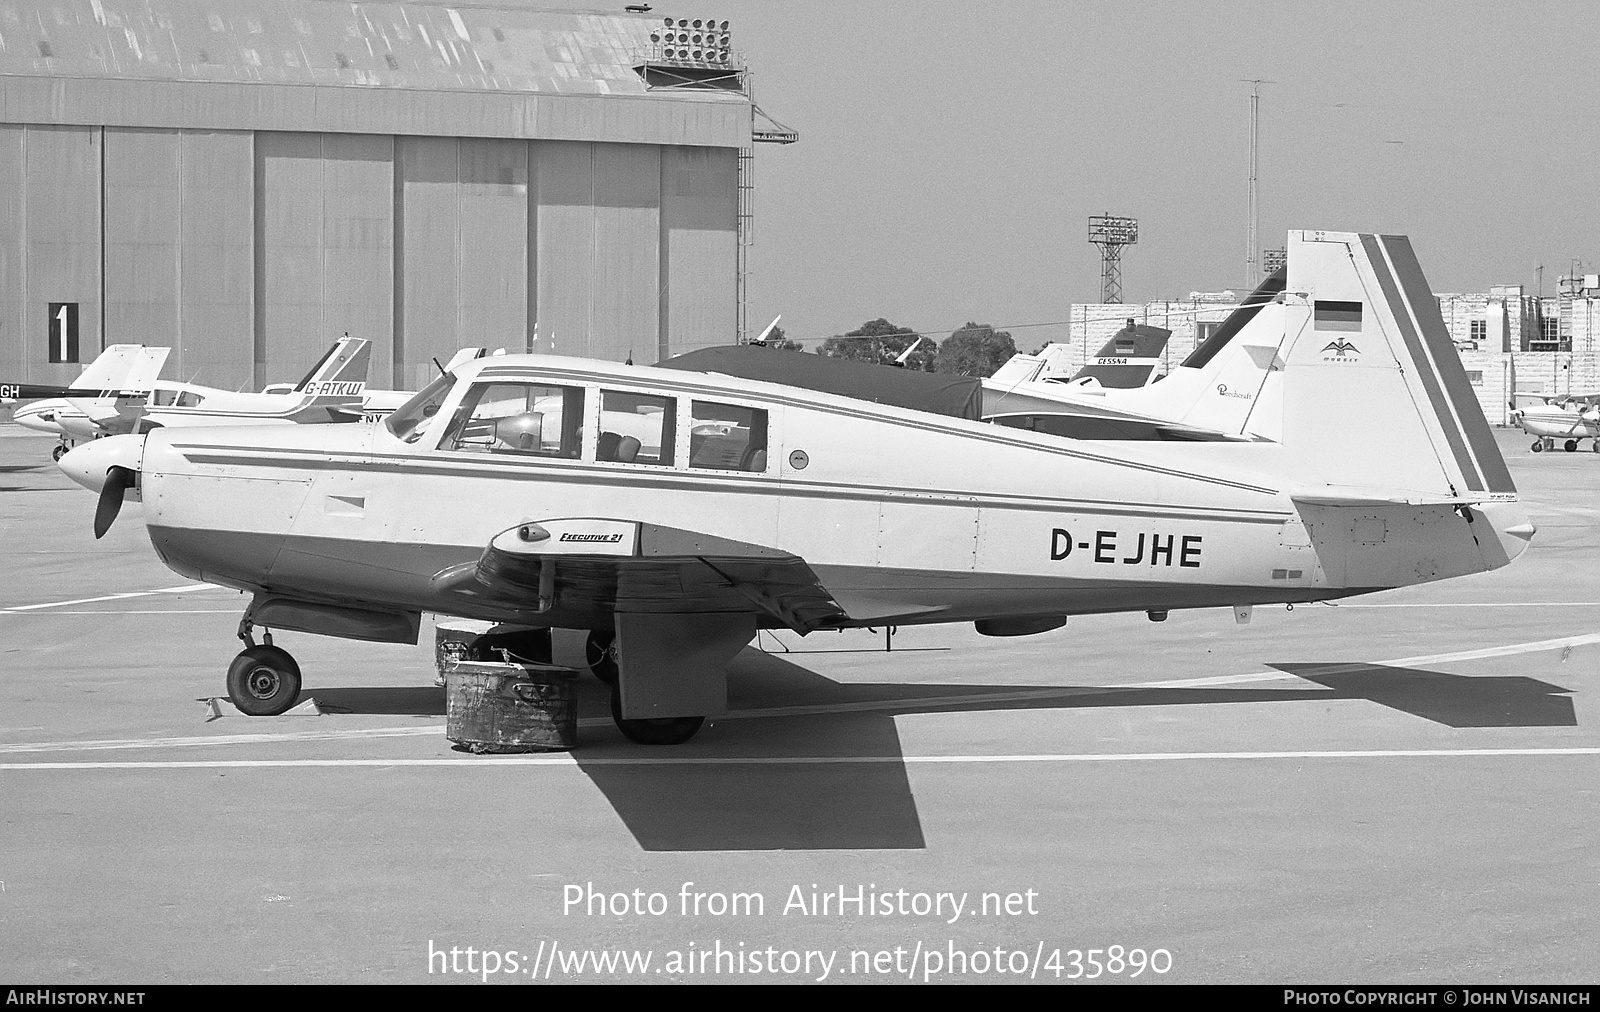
1128	361
1211	395
334	390
122	371
508	492
1564	417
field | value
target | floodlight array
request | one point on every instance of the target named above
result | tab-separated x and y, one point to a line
698	41
1113	229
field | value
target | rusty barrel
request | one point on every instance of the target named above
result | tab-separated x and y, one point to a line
451	637
493	707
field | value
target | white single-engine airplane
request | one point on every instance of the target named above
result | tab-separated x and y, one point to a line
1567	417
674	513
334	390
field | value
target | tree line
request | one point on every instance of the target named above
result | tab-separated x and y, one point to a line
976	349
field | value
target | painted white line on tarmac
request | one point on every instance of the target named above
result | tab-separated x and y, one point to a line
1478	604
186	588
1508	650
563	759
924	703
153	611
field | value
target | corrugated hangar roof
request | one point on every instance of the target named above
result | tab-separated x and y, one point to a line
398	45
412	67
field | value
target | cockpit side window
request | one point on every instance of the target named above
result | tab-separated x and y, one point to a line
412	420
636	428
727	437
523	418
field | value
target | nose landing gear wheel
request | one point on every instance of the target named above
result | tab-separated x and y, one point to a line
656	730
59	452
263	681
1538	446
1570	446
601	654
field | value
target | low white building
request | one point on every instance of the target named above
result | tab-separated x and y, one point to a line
1508	341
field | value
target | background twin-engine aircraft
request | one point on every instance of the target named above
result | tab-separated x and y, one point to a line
335	385
119	393
672	512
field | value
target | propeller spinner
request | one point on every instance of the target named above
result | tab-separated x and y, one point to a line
109	466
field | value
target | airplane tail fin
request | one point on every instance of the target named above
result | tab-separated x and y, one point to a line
1129	359
1390	459
341	372
1373	392
122	367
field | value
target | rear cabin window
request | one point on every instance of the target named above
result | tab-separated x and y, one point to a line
636	428
518	418
726	437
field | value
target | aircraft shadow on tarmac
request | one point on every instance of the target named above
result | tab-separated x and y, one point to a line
782	711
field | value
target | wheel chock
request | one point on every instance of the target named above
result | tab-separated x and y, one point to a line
222	706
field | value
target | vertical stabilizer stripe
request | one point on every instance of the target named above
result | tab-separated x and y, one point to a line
1419	358
1448	362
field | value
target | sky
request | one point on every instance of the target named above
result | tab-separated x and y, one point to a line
950	154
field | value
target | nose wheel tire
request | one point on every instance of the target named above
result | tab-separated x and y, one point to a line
1538	446
59	452
263	681
1571	446
601	654
654	731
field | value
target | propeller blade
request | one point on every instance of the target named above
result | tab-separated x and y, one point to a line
118	480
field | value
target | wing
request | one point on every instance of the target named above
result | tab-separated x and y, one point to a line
579	571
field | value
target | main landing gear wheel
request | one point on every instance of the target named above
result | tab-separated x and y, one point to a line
654	730
1571	446
263	681
601	654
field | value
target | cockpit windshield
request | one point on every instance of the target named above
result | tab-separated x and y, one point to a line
411	420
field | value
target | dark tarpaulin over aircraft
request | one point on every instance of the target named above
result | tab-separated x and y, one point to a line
957	396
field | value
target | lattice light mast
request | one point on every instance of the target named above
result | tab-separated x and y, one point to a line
1111	233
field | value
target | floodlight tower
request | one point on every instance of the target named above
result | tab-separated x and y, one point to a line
1111	233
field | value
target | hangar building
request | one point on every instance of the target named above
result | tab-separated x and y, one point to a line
246	181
